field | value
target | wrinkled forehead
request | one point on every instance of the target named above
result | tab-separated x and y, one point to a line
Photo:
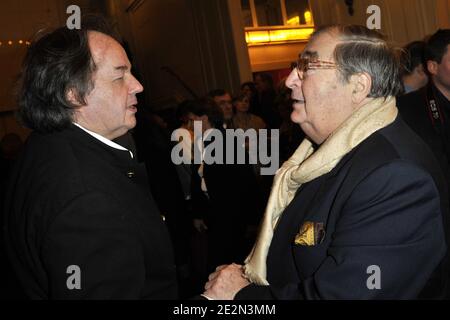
106	50
321	47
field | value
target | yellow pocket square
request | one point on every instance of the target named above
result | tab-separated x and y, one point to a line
310	234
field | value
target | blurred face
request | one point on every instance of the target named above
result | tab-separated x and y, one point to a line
260	84
441	73
242	105
224	102
188	120
247	91
321	102
420	75
111	105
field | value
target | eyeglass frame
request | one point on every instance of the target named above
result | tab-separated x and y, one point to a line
312	64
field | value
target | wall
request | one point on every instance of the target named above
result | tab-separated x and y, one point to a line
402	21
274	57
194	38
443	13
20	20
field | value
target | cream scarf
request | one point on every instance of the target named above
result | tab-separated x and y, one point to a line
306	165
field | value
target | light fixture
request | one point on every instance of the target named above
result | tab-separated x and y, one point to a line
277	35
13	42
294	21
308	17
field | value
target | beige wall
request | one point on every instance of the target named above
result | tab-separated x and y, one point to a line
402	21
443	13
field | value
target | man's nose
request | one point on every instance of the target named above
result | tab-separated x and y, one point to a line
136	86
293	79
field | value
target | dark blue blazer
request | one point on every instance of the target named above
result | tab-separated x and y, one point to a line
383	205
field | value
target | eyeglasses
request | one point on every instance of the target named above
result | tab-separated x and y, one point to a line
305	64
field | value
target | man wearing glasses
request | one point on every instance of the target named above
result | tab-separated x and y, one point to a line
357	211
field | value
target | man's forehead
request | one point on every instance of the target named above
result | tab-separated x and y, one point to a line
321	47
105	49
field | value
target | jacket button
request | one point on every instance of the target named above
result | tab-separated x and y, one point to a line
130	174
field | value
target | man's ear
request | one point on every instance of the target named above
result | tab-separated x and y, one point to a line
71	96
361	86
432	67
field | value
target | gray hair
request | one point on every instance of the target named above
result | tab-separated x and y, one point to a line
361	50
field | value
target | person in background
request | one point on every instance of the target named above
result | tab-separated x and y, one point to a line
266	100
242	118
186	117
224	195
413	72
427	111
249	89
223	100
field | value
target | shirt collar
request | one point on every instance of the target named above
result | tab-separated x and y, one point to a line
108	142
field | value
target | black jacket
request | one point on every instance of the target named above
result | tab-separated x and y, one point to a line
383	206
415	112
76	201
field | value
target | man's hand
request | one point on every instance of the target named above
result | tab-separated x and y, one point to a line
200	225
225	282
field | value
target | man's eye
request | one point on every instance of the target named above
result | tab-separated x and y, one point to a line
119	79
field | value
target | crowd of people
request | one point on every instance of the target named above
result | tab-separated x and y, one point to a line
96	207
213	210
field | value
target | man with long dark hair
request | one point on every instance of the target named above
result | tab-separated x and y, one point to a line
80	220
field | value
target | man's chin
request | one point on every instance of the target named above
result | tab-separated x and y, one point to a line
297	118
131	122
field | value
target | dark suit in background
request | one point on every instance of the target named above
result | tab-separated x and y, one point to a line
233	204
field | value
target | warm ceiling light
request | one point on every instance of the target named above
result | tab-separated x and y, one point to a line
20	41
254	37
308	17
257	36
295	21
10	42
